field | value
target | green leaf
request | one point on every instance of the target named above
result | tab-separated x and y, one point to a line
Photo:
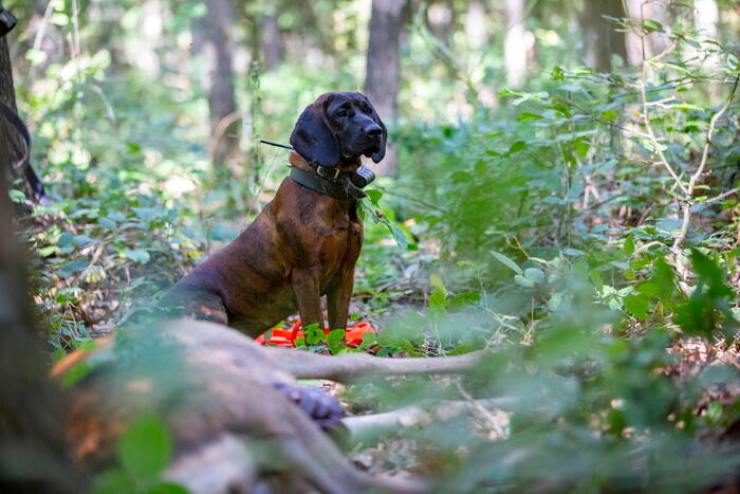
711	274
518	146
718	374
16	195
665	281
637	305
369	339
167	488
438	299
527	116
557	74
113	481
581	147
437	282
522	281
374	195
313	334
652	26
506	262
65	239
48	250
629	245
464	299
72	267
336	337
399	236
535	274
76	373
140	256
714	412
145	448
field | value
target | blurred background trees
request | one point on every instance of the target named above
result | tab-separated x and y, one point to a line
397	51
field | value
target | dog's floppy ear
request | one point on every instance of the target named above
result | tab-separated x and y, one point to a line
378	155
313	139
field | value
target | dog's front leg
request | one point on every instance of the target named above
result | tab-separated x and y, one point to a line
338	298
305	283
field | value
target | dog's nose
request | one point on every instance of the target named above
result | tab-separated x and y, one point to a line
373	130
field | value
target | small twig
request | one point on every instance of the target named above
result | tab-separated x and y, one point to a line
716	198
699	171
493	422
646	114
410	199
646	246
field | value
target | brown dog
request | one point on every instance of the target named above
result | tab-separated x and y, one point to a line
305	243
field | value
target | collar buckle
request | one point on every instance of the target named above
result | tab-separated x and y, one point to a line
328	173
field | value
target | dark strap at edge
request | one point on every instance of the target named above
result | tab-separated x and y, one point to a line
37	187
338	190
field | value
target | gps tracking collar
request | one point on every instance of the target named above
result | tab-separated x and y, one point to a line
337	184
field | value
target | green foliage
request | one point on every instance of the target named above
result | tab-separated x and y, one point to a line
143	452
539	222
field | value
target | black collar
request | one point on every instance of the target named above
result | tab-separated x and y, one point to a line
340	187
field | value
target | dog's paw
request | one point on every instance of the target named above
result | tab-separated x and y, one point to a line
322	407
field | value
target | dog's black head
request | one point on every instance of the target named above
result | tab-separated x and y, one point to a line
337	129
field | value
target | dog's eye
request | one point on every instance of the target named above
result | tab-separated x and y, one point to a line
366	109
341	113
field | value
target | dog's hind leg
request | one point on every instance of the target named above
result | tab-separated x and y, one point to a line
198	304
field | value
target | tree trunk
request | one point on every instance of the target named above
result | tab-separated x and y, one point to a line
384	69
706	15
600	37
440	20
10	144
515	44
654	43
32	452
273	42
213	39
475	24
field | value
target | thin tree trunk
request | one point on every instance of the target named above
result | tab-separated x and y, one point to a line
10	145
600	37
213	38
515	44
440	20
655	43
475	24
706	15
32	452
384	69
273	42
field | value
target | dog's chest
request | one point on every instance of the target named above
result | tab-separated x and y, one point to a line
340	248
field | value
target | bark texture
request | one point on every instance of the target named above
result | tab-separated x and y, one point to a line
10	143
515	44
272	42
655	43
600	38
32	454
213	39
383	71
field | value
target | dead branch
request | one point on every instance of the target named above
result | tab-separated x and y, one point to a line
373	425
345	368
